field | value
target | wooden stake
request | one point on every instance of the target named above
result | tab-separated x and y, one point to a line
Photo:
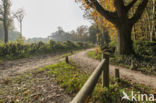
67	60
117	75
105	73
71	52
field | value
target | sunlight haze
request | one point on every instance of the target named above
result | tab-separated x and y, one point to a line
42	17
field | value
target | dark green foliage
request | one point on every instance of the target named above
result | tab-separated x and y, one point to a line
12	50
145	65
145	48
18	50
140	63
141	48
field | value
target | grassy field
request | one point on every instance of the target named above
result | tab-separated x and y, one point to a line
34	86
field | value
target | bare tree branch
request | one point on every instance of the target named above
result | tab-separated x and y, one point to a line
128	7
139	12
110	16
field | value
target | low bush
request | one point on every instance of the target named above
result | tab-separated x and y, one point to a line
141	48
18	50
143	59
145	48
145	65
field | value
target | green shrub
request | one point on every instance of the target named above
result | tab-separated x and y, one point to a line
141	48
145	65
20	50
145	48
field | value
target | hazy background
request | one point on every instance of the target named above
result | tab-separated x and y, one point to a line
42	17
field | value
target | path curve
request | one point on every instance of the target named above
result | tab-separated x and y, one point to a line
89	64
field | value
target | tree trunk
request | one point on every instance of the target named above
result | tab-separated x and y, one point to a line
6	19
21	28
153	21
134	32
125	43
5	31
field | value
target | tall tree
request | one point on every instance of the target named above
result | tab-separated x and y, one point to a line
5	12
82	32
119	17
151	16
19	15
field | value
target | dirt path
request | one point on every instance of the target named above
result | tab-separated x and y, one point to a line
21	65
90	64
10	68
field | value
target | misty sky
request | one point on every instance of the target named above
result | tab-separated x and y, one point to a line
42	17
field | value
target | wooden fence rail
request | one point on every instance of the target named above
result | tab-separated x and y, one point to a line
88	87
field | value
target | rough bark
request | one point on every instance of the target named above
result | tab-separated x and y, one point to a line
5	24
6	13
5	31
125	43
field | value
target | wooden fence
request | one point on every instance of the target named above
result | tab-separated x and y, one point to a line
88	87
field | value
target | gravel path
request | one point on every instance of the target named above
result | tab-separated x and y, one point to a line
89	64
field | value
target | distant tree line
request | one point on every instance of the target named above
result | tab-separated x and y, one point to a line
82	33
36	40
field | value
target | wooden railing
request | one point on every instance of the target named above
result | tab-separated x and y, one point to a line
88	87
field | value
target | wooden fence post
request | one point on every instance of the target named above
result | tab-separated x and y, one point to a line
71	52
67	60
105	73
117	75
